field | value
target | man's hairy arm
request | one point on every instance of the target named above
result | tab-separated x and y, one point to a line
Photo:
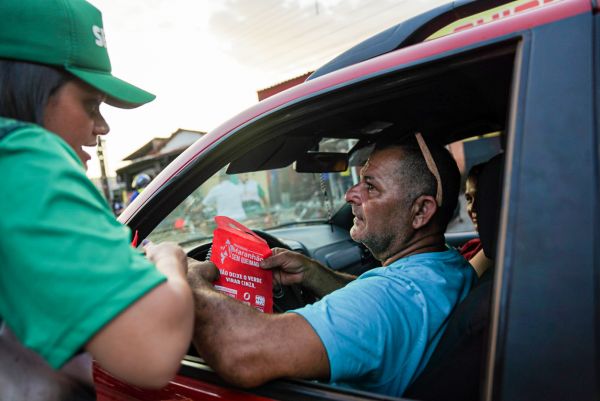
248	348
291	267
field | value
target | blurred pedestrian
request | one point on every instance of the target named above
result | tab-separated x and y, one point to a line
226	197
254	199
138	184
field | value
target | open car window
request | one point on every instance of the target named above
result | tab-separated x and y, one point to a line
261	200
282	197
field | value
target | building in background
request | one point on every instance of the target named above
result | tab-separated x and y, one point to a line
280	87
152	158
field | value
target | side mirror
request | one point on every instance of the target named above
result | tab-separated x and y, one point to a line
321	162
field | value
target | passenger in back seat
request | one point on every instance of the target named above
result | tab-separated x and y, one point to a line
486	205
470	248
473	249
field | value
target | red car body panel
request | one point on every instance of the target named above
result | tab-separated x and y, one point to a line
180	389
552	10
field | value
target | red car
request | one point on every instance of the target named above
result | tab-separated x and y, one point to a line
483	77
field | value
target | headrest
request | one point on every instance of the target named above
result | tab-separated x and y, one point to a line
488	202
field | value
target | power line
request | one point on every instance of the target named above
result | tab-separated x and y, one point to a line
322	33
280	54
244	31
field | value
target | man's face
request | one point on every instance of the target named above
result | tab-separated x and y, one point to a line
470	194
381	208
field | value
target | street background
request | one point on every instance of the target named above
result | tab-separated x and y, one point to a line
205	59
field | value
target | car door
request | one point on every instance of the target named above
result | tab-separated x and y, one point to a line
545	328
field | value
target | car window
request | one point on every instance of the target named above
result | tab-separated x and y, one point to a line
260	200
283	197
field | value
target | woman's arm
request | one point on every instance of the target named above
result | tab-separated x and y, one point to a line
144	345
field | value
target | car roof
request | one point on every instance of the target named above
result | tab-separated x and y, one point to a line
408	32
442	20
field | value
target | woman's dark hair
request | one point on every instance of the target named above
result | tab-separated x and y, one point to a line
25	89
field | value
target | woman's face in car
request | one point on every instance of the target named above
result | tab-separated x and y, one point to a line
470	195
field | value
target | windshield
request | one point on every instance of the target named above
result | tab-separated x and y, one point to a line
260	200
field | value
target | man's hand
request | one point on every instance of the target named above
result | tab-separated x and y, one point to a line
292	267
200	273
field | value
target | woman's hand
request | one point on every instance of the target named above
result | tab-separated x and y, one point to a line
168	257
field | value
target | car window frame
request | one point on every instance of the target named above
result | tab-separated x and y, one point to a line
516	361
510	40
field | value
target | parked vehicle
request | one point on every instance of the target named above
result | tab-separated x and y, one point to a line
523	75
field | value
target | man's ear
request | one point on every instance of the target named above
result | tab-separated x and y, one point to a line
423	208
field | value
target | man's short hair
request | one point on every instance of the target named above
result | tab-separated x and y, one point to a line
415	174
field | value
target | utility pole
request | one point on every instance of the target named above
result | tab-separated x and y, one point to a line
103	178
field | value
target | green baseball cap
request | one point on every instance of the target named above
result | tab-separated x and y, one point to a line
67	34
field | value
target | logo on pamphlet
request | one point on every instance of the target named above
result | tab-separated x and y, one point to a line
224	252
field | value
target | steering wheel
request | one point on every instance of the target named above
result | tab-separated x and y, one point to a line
285	297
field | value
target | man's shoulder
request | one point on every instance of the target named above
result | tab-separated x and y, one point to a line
421	269
449	257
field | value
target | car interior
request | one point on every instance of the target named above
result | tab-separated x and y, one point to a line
460	100
456	368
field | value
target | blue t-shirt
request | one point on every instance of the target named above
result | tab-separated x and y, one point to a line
380	330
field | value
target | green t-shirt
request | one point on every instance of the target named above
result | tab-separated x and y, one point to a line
67	266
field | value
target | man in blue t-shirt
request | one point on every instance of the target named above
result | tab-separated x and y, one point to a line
374	332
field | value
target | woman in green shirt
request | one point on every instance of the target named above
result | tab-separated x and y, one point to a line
70	281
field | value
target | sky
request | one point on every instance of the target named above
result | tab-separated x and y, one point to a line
205	59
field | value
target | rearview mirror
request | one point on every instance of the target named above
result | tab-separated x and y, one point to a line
321	162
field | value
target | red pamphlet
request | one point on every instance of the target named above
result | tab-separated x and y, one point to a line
237	251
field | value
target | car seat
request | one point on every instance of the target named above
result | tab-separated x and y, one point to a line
456	367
